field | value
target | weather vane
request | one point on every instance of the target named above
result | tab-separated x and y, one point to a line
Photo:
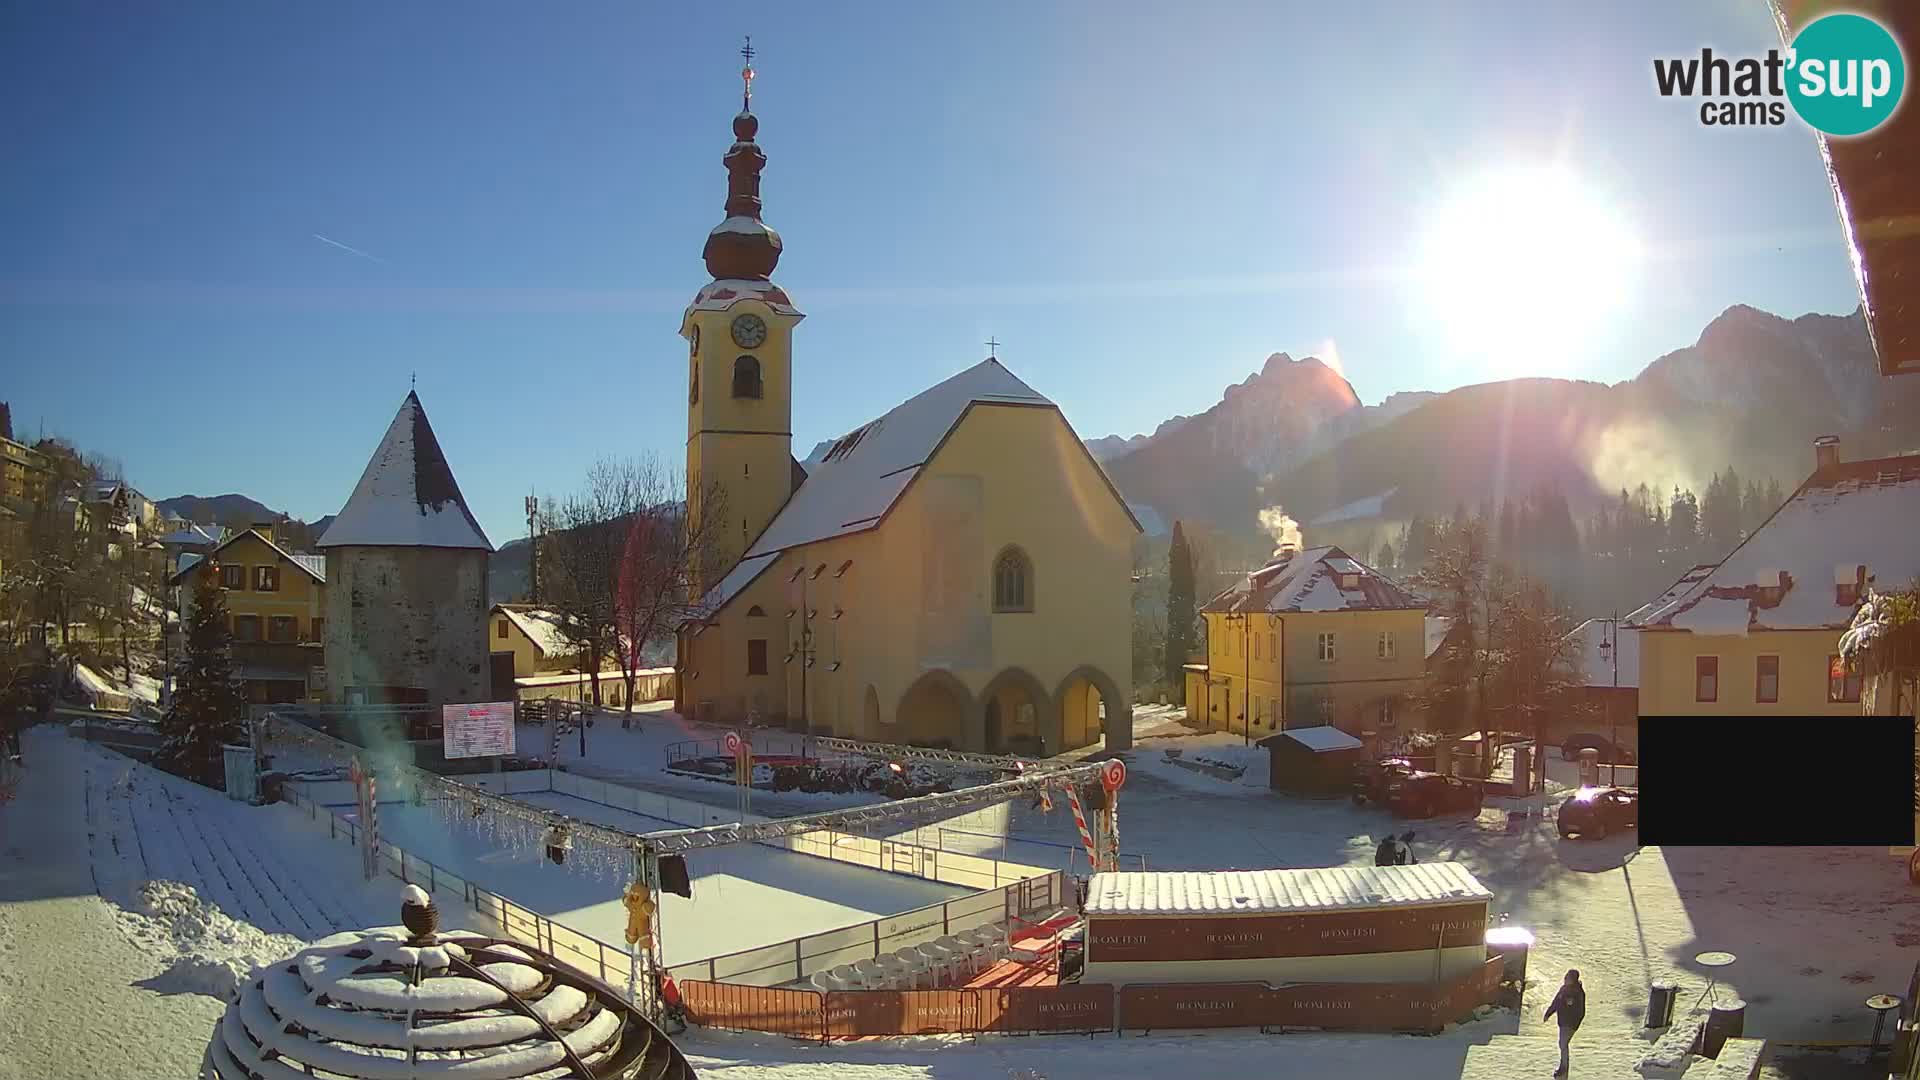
746	76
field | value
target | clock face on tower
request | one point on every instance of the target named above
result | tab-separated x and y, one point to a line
749	332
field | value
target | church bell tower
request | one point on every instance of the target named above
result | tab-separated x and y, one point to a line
739	332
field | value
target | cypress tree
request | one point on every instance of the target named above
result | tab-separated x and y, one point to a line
1180	614
208	704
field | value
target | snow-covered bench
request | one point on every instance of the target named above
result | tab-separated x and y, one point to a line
1739	1060
1668	1057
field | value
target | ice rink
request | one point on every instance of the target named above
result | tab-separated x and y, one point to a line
744	896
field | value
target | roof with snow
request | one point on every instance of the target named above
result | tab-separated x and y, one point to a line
851	486
1855	521
408	496
542	627
1334	888
723	294
1320	740
315	566
1437	629
1317	579
1596	663
191	535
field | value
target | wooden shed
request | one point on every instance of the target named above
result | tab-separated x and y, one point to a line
1313	761
1346	924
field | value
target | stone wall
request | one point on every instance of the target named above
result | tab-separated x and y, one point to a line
402	616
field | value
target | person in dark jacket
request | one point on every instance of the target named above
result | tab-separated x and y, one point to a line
1571	1006
1388	853
1406	849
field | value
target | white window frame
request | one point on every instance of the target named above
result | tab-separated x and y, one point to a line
1326	647
1385	647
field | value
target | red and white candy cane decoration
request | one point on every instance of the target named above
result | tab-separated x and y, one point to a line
1080	822
1112	775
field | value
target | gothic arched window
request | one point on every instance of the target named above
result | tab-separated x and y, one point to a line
1012	581
746	377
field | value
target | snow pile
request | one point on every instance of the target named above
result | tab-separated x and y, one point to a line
213	953
1220	750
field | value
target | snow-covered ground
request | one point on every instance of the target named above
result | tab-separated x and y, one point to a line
93	957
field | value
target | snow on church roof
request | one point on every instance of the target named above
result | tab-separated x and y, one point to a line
1863	514
408	496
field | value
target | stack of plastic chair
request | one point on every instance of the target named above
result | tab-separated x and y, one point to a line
845	977
871	974
823	981
915	964
939	962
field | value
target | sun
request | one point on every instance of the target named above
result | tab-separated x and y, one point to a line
1522	265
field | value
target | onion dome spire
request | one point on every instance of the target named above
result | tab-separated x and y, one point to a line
742	247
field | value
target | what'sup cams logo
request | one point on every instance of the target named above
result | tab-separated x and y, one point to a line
1844	74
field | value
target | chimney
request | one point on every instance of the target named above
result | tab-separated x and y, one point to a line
1826	451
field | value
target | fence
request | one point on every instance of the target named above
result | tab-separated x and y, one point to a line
798	959
1390	1007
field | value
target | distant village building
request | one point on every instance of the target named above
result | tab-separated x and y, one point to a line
1759	633
277	605
532	656
1314	638
406	566
956	572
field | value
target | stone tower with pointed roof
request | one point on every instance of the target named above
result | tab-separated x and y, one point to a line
407	577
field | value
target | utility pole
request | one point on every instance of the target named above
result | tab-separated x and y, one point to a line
803	652
533	549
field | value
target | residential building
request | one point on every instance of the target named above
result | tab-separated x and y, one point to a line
1759	633
407	614
1608	654
23	473
277	608
956	572
534	637
1315	637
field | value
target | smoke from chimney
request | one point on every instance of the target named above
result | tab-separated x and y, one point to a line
1284	530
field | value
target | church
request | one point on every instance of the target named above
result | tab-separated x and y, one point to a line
955	573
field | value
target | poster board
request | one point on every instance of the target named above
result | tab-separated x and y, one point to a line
479	730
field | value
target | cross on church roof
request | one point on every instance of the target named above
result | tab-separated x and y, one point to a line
746	76
993	349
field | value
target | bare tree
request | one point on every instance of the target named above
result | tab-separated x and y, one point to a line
666	556
621	559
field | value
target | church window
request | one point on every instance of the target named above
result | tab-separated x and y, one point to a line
1012	581
746	377
693	382
756	611
757	656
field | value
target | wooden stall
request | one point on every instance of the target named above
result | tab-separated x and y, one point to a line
1424	923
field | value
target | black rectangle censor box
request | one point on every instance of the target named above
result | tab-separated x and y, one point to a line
1776	781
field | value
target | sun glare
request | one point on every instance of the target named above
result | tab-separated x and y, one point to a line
1521	265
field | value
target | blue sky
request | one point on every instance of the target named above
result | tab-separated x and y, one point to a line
1142	201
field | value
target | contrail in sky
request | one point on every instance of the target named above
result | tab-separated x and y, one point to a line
349	249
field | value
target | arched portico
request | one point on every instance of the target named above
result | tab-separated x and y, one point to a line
934	711
1091	706
1016	716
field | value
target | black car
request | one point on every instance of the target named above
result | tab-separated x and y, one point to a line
1424	794
1610	754
1370	779
1592	813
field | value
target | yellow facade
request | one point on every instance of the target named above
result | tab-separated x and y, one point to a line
740	443
1272	668
276	616
23	473
1670	664
505	635
1050	670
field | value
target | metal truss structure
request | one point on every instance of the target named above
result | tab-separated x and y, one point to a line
923	807
898	752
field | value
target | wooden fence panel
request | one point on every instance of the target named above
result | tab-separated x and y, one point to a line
755	1008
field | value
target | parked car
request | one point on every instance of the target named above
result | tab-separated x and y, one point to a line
1424	794
1592	813
1609	753
1370	778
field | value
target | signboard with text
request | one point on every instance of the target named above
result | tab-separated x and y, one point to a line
482	730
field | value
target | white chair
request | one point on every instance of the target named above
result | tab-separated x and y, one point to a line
914	964
823	981
939	961
848	978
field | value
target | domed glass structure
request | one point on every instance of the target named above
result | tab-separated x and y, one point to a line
404	1002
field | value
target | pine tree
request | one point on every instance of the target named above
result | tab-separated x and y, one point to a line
1180	614
1683	524
208	704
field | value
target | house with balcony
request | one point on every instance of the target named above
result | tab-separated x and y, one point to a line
1759	632
1313	638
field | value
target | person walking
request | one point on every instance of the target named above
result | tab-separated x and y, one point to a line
1406	848
1388	853
1570	1004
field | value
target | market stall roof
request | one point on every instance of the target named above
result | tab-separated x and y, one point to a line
1270	892
1319	739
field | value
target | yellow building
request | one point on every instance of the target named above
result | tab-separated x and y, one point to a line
1314	638
23	473
956	572
277	601
534	637
1759	633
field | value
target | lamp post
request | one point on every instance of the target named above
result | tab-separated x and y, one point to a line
803	652
533	549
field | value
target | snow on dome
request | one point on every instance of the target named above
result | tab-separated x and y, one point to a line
740	223
386	1004
414	894
407	497
724	293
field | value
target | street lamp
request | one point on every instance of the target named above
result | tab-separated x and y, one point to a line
1610	648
